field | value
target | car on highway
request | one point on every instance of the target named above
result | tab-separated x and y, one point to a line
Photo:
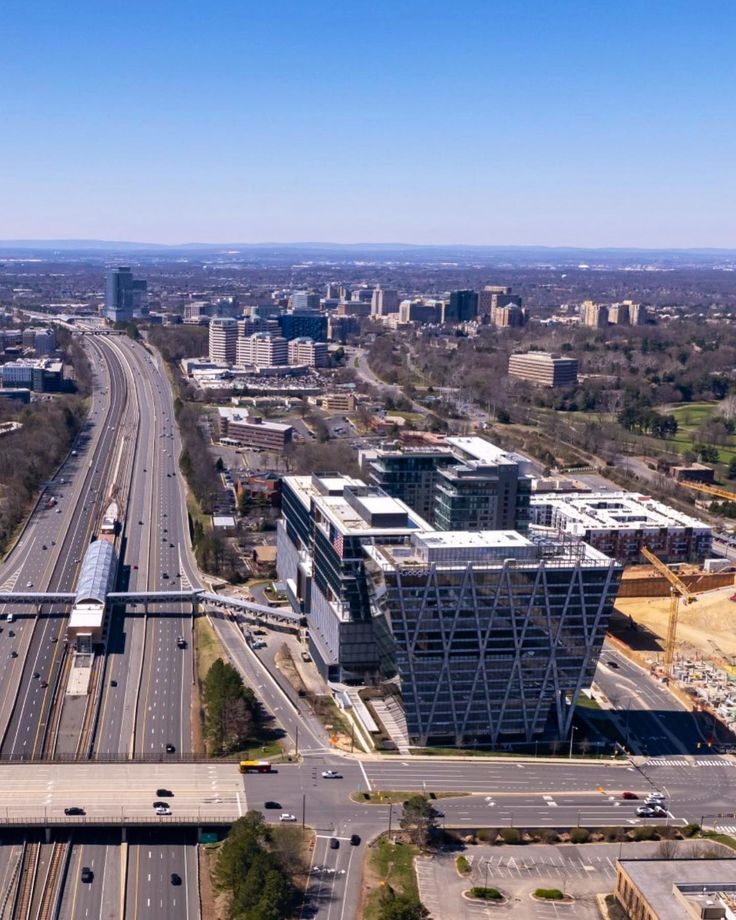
285	816
165	575
162	810
170	749
354	840
613	664
175	878
181	642
654	798
334	843
86	875
331	774
160	804
13	654
29	584
44	684
164	793
271	804
10	618
73	810
629	795
651	811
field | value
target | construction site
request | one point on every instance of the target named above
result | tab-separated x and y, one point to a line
680	622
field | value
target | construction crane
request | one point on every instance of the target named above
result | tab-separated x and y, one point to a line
715	491
678	589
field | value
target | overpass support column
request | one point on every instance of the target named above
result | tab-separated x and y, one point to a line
124	834
47	833
195	606
145	608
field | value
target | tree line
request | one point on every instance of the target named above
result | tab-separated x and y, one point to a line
30	454
255	869
232	712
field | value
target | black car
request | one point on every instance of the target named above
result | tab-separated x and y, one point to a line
272	804
74	810
354	840
175	878
613	664
170	748
87	874
334	843
164	793
160	804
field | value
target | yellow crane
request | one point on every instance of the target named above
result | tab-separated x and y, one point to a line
715	491
678	589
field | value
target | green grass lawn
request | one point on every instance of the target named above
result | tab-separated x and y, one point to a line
690	416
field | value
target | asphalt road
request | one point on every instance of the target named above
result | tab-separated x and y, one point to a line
652	719
56	568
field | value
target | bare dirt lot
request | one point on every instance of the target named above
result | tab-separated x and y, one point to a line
709	620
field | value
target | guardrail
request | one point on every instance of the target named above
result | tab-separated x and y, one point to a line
117	820
121	757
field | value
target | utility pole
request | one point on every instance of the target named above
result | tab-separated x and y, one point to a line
390	815
572	738
304	809
296	741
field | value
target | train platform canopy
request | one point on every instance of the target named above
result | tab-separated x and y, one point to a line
97	575
96	580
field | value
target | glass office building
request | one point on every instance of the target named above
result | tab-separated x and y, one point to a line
494	634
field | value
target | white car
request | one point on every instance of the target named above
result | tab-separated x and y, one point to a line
163	810
287	817
655	798
331	774
651	811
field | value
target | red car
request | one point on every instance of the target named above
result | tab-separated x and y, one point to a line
629	795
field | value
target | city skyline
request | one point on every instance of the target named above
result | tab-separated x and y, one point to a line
489	124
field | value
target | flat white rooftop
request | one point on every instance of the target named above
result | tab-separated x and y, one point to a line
584	511
473	539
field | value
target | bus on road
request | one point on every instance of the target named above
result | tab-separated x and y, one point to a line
255	766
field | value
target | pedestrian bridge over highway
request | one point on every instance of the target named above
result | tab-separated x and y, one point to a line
195	598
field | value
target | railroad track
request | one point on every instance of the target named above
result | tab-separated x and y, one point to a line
48	738
8	895
89	724
52	885
27	881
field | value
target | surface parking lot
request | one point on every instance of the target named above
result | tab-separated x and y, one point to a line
580	871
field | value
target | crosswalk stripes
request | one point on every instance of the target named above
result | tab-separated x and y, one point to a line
681	762
9	583
726	829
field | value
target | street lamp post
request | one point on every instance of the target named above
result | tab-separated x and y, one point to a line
390	816
572	738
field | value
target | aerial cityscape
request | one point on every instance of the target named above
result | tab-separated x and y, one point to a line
367	462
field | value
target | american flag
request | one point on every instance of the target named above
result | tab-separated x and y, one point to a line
337	542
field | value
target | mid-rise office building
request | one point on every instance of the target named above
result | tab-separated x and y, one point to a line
262	349
638	314
594	314
308	352
495	296
304	301
303	325
124	295
251	430
511	316
384	301
223	337
468	484
544	369
462	307
41	375
494	634
420	311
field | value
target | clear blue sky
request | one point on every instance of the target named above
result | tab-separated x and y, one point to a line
591	123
